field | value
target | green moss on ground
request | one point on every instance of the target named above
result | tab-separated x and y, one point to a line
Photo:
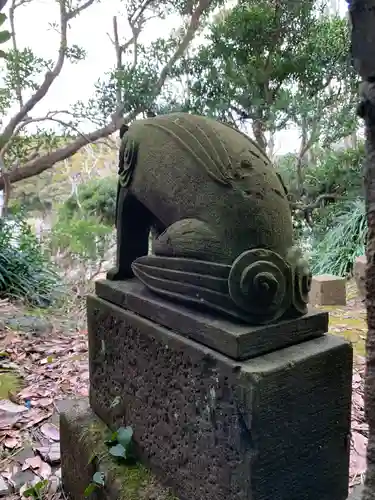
349	321
133	482
9	383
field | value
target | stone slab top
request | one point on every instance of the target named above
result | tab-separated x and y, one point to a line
235	340
328	277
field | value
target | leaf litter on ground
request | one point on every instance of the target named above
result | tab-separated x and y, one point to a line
53	367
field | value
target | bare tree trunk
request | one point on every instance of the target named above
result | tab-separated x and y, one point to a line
362	17
368	112
271	146
258	131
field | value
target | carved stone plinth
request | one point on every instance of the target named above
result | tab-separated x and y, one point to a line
214	427
328	290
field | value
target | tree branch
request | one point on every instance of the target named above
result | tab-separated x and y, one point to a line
75	12
50	76
193	26
317	203
39	164
18	88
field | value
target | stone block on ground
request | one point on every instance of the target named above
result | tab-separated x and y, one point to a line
83	436
356	493
359	272
272	427
328	290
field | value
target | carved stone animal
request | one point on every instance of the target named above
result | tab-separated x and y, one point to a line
215	200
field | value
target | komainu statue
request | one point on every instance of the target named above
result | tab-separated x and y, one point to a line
224	225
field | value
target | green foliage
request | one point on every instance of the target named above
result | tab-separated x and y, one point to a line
343	241
25	270
84	226
96	198
255	68
84	239
98	481
37	490
121	448
5	35
333	172
121	445
24	68
25	146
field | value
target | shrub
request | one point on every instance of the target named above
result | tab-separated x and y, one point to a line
95	199
336	246
84	239
25	270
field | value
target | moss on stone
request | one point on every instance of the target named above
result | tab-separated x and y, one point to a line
9	383
134	482
352	329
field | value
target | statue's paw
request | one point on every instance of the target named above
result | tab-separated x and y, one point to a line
189	238
116	274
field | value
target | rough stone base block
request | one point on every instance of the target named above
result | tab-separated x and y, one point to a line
357	493
328	290
359	271
82	437
275	427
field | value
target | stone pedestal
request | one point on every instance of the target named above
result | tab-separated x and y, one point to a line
359	272
223	411
328	290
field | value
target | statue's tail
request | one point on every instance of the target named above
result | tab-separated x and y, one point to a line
260	286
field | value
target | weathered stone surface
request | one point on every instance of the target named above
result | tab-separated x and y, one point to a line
28	324
356	494
274	427
328	290
359	271
83	436
234	340
222	218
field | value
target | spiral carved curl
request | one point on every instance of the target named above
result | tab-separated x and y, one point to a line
266	286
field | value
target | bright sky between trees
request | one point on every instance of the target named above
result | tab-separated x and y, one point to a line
90	31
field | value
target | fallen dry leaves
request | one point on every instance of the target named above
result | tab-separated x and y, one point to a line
52	367
359	431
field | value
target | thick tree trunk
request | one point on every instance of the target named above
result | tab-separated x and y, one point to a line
369	178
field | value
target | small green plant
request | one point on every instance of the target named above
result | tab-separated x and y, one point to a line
121	445
98	481
121	448
37	490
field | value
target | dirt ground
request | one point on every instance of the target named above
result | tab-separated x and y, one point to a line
43	359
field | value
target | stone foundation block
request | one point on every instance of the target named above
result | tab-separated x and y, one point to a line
357	493
359	271
83	437
274	427
328	290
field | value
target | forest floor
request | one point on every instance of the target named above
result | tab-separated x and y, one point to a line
43	359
